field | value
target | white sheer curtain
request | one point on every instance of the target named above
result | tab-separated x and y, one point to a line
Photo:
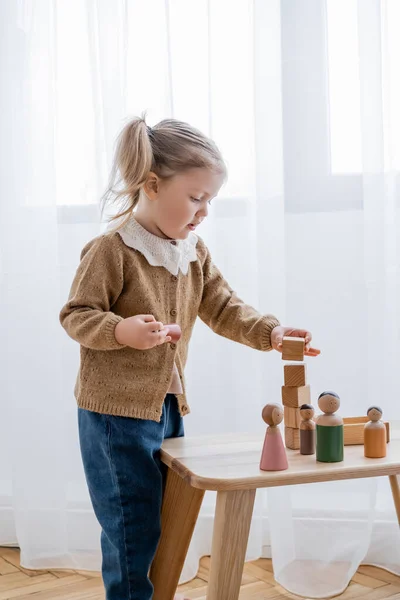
302	97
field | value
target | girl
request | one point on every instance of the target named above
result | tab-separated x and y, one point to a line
150	269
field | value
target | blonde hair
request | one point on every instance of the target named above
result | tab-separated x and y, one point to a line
168	148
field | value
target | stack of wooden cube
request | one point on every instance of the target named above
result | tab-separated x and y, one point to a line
296	391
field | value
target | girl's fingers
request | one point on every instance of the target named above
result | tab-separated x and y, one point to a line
312	352
155	326
304	334
162	337
159	338
148	318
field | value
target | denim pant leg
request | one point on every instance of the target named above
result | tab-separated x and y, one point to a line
125	480
173	427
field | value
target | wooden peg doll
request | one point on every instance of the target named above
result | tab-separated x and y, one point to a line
273	457
330	434
374	434
307	429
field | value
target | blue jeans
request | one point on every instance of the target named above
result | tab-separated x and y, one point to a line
125	477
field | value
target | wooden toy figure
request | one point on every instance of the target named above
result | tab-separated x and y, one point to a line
307	429
330	430
273	457
375	434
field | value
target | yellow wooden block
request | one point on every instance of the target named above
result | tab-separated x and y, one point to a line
292	438
291	416
294	397
293	348
353	430
353	433
295	375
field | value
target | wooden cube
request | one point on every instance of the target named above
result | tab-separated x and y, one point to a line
295	375
292	438
293	348
291	416
294	397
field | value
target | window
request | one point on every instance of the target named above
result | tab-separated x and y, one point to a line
127	58
344	86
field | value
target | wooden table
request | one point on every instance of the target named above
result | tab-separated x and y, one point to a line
229	464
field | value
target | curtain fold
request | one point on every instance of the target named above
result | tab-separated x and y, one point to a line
306	228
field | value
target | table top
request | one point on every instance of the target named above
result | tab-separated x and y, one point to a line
231	462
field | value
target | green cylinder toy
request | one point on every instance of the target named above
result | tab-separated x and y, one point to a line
330	433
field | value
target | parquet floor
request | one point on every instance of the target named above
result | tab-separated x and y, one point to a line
258	583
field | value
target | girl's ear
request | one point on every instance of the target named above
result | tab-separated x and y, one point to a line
151	186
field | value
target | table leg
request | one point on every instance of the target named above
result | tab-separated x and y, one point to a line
394	484
181	506
231	532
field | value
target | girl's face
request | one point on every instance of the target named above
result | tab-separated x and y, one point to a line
178	205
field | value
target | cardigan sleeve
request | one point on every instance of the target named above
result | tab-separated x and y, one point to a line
87	316
227	315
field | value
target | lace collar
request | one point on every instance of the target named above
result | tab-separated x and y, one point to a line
174	255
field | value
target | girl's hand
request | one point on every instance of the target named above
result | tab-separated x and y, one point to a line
141	332
278	333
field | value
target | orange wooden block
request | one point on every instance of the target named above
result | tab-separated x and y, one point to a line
291	416
292	438
293	348
294	397
295	375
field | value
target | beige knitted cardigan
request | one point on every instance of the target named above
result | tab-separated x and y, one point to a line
114	281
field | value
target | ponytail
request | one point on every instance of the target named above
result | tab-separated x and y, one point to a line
132	163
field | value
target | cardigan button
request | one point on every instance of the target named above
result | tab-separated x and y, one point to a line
174	312
173	346
174	278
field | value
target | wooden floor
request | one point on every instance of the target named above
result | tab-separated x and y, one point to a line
258	583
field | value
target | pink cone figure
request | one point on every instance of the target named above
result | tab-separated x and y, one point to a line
174	331
273	457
